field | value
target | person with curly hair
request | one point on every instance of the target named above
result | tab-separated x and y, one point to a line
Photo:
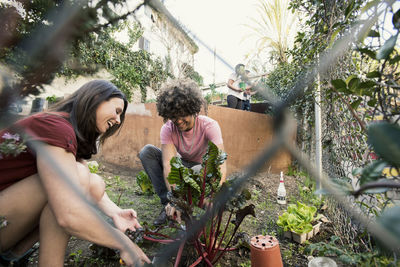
185	133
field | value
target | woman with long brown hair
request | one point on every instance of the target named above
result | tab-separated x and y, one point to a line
47	192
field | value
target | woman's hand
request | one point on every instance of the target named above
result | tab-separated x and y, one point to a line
127	256
126	219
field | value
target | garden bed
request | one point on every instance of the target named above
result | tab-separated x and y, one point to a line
122	187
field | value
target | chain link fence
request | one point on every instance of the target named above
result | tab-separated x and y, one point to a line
344	139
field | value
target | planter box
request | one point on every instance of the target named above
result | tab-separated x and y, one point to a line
301	238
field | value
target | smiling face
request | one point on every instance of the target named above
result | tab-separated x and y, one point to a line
184	123
108	114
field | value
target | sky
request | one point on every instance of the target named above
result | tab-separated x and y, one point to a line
220	24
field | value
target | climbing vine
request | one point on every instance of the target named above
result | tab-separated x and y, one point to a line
130	69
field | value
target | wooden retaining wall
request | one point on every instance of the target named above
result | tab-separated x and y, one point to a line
245	135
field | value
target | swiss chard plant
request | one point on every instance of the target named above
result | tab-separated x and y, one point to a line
193	195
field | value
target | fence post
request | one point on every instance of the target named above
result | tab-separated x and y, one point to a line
318	131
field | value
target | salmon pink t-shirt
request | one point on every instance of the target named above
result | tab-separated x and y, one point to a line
51	128
192	145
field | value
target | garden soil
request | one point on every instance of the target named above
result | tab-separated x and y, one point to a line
122	188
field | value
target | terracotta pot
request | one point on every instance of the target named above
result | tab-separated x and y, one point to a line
265	252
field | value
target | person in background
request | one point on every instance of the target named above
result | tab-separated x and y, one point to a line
247	94
236	87
46	185
185	133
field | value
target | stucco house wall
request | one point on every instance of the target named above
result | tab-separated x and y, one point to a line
245	135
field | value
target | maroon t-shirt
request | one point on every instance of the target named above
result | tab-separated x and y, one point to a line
51	128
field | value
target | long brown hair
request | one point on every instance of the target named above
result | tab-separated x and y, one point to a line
82	106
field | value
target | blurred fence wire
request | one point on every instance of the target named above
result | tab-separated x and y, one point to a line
349	149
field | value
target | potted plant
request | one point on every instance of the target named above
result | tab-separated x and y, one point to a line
297	222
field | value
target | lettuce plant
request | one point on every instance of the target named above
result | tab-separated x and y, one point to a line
298	218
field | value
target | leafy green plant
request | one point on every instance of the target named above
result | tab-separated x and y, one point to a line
76	256
189	72
93	166
298	218
51	99
346	255
144	183
192	196
131	70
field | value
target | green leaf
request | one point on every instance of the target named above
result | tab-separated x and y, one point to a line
396	19
368	52
348	10
356	103
385	139
351	77
372	102
144	182
387	48
189	180
367	84
339	84
333	37
373	74
372	172
373	33
174	176
353	84
394	59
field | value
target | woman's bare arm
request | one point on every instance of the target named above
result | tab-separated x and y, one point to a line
66	200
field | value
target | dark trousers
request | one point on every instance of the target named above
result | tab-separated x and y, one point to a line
151	158
234	102
246	105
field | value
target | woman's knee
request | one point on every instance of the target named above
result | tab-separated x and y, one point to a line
91	183
84	176
97	187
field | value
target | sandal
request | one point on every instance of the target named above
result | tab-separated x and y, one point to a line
10	258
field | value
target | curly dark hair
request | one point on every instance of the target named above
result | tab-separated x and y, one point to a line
179	98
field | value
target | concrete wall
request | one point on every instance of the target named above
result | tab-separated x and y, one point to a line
245	135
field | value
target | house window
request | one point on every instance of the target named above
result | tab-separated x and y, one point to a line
144	44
